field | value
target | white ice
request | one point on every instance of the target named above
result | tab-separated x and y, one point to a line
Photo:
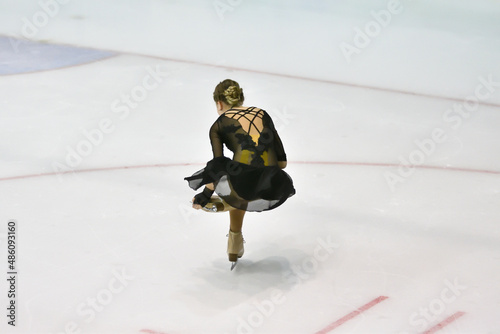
109	249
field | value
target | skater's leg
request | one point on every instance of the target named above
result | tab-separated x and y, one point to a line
235	248
236	220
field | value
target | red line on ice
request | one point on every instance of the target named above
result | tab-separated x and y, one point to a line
340	163
149	331
375	164
94	170
303	78
351	315
283	75
444	323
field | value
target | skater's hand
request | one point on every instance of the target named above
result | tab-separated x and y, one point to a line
196	206
202	199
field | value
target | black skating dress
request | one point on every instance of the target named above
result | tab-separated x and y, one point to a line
252	180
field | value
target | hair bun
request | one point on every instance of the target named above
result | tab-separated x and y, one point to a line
232	94
229	92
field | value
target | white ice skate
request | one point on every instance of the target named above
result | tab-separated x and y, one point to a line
235	248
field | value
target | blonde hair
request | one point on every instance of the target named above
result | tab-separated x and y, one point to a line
229	92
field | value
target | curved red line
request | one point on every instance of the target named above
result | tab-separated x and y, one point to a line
283	75
339	163
9	178
375	164
298	77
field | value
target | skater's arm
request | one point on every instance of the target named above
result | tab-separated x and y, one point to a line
201	199
216	141
278	146
280	150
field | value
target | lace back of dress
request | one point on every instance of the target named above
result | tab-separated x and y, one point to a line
250	121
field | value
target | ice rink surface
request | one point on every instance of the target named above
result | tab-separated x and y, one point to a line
390	115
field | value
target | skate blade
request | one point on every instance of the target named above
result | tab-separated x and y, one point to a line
214	207
208	208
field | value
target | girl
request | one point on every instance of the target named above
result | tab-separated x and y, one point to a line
253	180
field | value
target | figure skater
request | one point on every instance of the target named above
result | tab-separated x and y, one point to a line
253	180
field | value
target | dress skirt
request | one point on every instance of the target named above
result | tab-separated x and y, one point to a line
243	186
